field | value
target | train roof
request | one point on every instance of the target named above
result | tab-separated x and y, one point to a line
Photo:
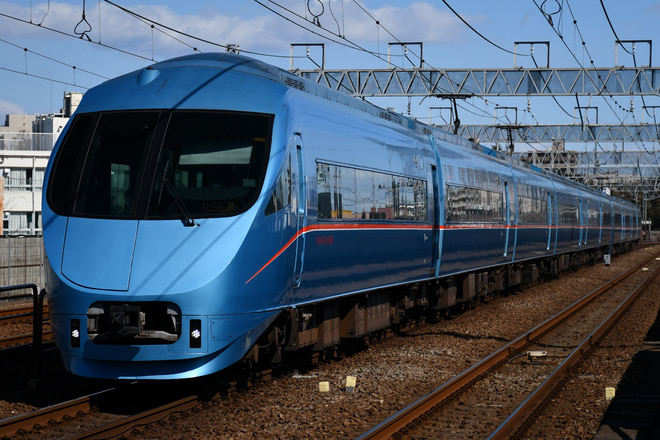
288	79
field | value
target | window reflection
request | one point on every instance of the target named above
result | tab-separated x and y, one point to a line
357	194
473	205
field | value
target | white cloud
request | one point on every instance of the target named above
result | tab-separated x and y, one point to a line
258	29
420	21
9	108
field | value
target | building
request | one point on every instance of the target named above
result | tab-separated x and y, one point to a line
25	145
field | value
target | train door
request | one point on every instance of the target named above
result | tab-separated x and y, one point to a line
623	225
586	222
600	222
512	215
507	207
581	220
300	208
438	209
550	222
435	260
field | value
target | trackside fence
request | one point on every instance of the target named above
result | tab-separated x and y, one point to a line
21	262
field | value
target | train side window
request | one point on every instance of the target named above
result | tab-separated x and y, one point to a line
568	214
532	211
474	205
329	201
281	196
593	218
358	194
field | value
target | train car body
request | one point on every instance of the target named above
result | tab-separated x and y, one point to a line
212	208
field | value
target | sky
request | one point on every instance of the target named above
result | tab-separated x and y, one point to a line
49	48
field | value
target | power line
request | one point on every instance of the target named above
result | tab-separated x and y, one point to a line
185	34
26	50
477	32
379	24
343	41
43	77
57	31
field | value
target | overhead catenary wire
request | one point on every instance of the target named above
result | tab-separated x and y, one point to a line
584	45
380	25
25	49
66	34
561	37
477	32
618	40
341	40
185	34
45	78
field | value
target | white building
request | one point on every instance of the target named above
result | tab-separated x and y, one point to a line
25	145
23	175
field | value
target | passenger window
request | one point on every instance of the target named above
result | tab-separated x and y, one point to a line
356	194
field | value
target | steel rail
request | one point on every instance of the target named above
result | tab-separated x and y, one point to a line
25	422
398	421
16	312
25	339
121	426
521	415
20	312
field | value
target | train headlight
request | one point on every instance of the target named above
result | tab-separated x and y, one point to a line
195	333
75	333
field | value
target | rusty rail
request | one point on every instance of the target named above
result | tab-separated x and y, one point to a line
408	415
25	422
517	419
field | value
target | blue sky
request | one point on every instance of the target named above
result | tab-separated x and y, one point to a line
34	81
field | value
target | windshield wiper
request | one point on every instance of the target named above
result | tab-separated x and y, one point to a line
186	217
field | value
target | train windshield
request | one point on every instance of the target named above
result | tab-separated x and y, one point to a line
160	164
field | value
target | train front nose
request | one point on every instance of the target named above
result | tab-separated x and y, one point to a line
98	254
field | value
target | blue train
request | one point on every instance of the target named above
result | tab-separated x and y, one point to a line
212	209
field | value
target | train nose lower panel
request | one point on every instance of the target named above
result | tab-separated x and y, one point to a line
98	254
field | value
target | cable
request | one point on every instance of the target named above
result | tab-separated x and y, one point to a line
553	97
44	78
607	16
84	26
185	34
316	20
52	59
343	41
630	112
477	32
379	24
612	27
45	15
73	36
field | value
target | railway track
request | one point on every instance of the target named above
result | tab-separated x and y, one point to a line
113	412
497	397
81	419
101	419
110	413
24	339
17	326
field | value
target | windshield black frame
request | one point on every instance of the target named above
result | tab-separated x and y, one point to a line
160	164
